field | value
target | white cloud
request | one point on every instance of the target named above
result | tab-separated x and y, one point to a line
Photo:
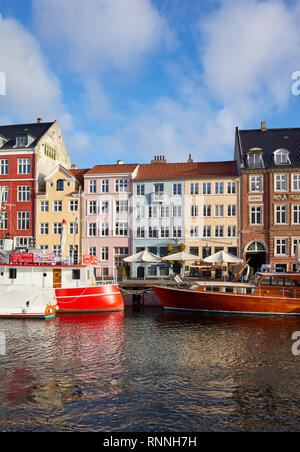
250	50
32	90
94	34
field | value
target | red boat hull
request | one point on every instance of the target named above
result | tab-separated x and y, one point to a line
176	298
89	299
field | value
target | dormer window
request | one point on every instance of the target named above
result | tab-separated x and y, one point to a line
254	158
3	140
281	157
60	185
21	141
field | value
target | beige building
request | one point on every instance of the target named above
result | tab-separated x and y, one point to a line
211	210
60	203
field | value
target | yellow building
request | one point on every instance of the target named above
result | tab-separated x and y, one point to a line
60	203
211	210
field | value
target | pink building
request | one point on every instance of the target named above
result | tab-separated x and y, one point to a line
107	213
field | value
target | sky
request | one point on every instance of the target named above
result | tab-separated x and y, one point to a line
130	79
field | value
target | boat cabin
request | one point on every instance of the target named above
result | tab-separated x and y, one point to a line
47	276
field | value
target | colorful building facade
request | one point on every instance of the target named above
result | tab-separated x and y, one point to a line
60	205
107	214
27	153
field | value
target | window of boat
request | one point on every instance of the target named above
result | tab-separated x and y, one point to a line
208	288
75	273
296	282
249	290
12	273
284	282
266	281
216	289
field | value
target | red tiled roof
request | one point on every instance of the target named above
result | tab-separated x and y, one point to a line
78	173
123	168
187	170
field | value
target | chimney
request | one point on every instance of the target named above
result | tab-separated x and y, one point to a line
120	162
159	159
39	120
190	160
263	126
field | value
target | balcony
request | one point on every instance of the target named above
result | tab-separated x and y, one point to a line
159	197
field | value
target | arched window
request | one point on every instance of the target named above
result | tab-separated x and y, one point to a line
60	185
281	157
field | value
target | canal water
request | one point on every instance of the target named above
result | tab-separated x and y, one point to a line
150	371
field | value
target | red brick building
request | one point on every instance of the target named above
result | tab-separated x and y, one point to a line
269	166
27	153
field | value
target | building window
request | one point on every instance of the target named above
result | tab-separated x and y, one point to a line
92	250
140	190
206	231
231	210
104	229
280	214
4	221
121	228
281	182
140	232
122	251
194	211
4	166
57	206
24	166
231	231
73	228
255	214
281	157
296	214
194	250
152	212
44	206
4	193
177	190
194	188
255	160
295	182
104	207
21	141
93	186
219	188
92	207
44	228
92	229
219	210
153	232
60	185
281	246
177	232
206	188
194	232
231	188
121	207
219	231
74	205
295	244
24	193
255	183
164	211
164	232
105	186
104	253
57	228
23	220
57	250
206	210
176	211
121	185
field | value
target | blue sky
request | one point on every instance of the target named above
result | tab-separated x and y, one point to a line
130	79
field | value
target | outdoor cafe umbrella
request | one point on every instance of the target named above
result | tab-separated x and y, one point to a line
222	256
181	256
143	257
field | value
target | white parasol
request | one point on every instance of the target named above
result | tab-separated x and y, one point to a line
181	256
143	257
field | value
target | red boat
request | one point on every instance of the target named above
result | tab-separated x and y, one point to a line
266	293
75	286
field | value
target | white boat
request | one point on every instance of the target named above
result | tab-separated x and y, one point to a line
27	302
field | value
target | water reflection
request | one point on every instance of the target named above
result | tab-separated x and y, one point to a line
150	371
